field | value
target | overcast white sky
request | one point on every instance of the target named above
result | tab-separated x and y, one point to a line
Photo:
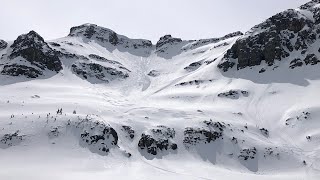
147	19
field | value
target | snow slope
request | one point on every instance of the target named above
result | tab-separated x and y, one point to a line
130	109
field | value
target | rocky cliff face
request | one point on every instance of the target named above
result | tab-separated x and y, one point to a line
3	44
287	34
168	46
290	38
112	40
157	141
94	72
167	40
30	56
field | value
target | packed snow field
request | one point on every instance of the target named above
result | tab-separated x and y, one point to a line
45	153
97	105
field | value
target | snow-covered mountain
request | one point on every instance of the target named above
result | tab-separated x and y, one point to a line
96	104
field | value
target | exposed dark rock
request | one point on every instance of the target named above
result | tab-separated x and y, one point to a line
193	66
97	136
69	43
296	63
167	39
314	9
99	58
234	94
271	152
87	30
311	59
113	38
127	154
226	65
194	136
98	72
3	44
194	82
68	55
154	73
310	4
308	138
20	70
220	45
164	131
304	162
300	117
31	56
247	154
214	125
262	70
9	140
207	62
159	140
264	132
54	132
35	50
55	44
129	131
174	146
211	132
234	140
106	36
152	145
271	41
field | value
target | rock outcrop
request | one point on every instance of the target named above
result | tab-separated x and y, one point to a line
30	56
234	94
112	40
9	140
290	32
128	131
96	73
97	136
157	141
203	135
193	66
166	40
3	44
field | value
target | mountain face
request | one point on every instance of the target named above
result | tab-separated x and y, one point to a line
241	106
30	56
111	40
295	31
167	40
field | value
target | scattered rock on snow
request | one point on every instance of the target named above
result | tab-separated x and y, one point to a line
234	94
129	131
9	140
154	73
158	141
